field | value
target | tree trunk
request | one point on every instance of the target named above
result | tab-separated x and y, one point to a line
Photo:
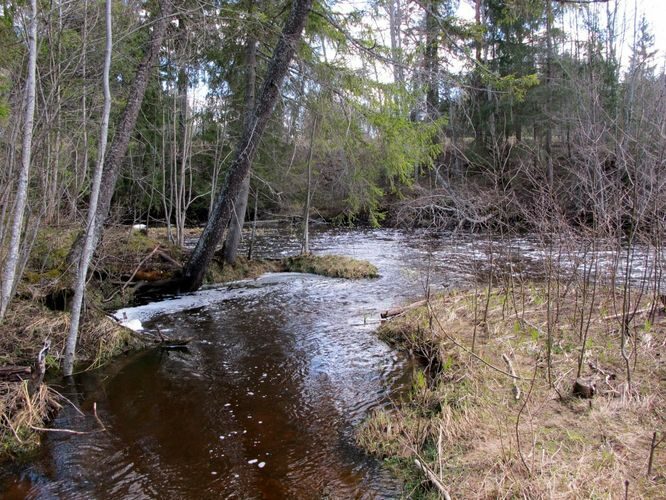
121	139
236	224
305	250
431	60
89	245
395	27
549	78
250	247
240	206
196	267
11	262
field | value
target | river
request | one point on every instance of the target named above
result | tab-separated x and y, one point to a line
264	401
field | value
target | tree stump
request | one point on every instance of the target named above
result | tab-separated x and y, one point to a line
585	387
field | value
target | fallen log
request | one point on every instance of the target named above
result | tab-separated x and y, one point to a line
14	373
399	310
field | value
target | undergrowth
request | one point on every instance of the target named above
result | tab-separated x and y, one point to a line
463	418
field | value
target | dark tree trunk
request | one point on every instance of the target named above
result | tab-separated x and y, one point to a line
196	267
431	61
114	158
240	206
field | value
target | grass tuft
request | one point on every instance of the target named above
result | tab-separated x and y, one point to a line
333	266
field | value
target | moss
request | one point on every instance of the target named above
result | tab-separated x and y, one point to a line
50	249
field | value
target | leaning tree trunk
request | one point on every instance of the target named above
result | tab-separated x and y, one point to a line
121	139
240	206
89	245
203	253
11	262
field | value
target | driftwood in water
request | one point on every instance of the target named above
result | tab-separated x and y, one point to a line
171	343
399	310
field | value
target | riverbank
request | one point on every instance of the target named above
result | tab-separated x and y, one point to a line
125	259
494	413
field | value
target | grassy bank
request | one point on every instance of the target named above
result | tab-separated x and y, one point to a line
124	259
492	413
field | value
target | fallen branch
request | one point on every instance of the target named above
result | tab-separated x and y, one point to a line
516	389
399	310
64	431
9	372
136	270
165	256
433	478
629	314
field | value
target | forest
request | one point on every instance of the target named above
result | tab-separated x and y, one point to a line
145	144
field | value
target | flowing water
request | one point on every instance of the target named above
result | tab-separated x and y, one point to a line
263	402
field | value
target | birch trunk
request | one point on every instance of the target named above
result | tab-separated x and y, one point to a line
89	245
9	271
114	159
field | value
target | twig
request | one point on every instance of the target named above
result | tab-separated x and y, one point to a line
99	421
516	389
522	408
65	431
653	446
68	401
136	270
487	363
433	478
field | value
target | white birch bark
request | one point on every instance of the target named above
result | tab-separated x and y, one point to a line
89	245
11	263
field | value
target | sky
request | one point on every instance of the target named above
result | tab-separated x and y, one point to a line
654	10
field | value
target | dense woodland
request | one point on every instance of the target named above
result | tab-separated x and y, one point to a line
527	114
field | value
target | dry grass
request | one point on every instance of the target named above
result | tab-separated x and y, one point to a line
28	324
20	413
333	266
463	419
241	269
